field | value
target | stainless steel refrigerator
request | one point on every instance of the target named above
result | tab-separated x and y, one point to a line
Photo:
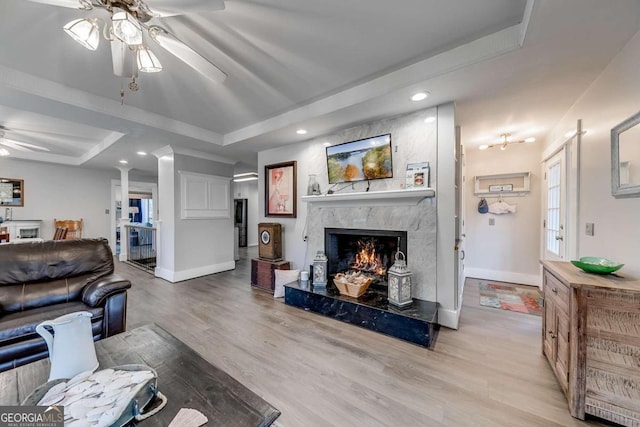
240	220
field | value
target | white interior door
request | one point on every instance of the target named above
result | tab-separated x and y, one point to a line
555	207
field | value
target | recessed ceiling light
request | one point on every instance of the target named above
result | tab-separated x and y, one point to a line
420	96
532	139
124	162
483	147
430	119
142	153
301	131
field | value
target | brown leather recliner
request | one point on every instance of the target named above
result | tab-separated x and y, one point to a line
43	280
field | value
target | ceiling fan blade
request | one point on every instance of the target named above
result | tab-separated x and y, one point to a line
22	146
124	64
189	56
182	7
74	4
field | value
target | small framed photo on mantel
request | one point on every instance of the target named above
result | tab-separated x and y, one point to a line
417	175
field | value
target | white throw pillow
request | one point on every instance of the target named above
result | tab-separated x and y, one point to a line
282	278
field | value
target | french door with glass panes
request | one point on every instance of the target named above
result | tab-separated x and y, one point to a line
554	220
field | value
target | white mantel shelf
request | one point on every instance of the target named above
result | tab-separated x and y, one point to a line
372	198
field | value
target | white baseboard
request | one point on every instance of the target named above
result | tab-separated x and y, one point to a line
179	276
504	276
449	318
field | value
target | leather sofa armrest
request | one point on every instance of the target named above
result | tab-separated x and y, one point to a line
95	293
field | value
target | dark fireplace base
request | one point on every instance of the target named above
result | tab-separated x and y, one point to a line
414	323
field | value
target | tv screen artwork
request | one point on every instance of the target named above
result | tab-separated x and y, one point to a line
360	160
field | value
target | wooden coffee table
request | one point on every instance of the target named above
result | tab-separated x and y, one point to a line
184	377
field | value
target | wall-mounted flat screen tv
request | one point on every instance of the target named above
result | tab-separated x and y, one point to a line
361	160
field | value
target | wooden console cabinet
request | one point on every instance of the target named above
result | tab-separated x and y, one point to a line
262	275
591	337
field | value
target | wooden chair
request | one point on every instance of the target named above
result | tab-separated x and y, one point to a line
60	233
74	227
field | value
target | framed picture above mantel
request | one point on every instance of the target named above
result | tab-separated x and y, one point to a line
11	192
280	190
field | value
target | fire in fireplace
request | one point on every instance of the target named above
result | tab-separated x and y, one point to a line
370	252
368	260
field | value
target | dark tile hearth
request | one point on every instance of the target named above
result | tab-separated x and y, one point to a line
414	323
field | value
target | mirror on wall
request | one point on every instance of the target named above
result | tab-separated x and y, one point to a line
625	158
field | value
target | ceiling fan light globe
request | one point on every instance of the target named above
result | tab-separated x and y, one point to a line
126	28
84	31
147	61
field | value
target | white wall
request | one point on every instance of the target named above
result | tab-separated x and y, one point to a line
612	98
62	192
249	190
202	246
509	250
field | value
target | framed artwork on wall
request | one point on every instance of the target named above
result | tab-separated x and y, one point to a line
280	190
11	192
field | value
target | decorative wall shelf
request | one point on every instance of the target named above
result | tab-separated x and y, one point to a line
503	184
372	198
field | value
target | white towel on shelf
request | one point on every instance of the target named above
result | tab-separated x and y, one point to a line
501	207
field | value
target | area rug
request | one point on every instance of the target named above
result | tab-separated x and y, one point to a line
507	296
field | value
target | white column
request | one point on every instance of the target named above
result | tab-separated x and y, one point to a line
165	219
124	213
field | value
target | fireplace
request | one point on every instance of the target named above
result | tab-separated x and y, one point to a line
370	252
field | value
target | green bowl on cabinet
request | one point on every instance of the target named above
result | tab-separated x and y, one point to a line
597	265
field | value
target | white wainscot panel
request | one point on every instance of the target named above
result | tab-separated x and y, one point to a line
204	196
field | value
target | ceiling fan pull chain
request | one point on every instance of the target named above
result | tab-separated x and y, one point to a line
133	85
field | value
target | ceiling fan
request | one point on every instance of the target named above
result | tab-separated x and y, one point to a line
507	139
128	22
16	145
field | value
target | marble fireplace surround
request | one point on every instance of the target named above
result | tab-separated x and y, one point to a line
404	210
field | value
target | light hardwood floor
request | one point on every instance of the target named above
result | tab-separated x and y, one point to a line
321	372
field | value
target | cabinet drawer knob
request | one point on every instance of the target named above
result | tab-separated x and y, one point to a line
553	336
554	290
